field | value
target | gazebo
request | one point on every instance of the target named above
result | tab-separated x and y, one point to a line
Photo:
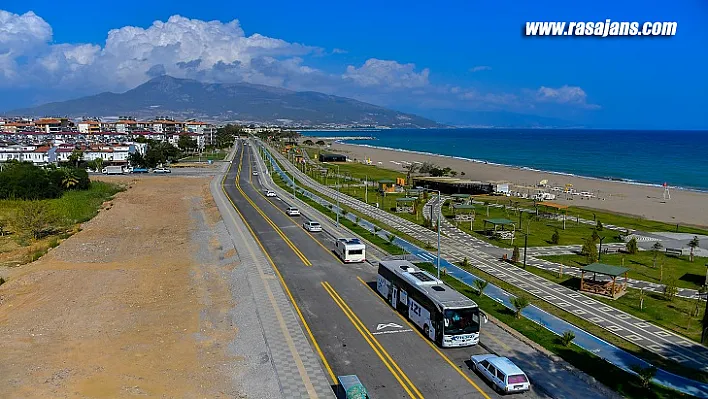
464	213
464	198
503	234
556	208
610	288
387	186
405	204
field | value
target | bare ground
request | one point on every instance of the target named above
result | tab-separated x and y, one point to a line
126	307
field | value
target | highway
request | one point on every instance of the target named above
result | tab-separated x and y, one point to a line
352	328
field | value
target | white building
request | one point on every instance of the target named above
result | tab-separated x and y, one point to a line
36	155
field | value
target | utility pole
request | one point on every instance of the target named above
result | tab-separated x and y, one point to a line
526	243
366	189
438	226
337	186
599	252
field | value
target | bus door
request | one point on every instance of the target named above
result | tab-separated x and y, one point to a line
394	297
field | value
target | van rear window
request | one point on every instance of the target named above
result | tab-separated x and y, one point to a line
517	379
355	252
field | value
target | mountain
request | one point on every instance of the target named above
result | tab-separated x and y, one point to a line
185	98
501	119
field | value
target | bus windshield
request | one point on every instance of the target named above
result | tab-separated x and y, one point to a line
461	321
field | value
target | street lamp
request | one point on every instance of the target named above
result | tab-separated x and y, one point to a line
438	228
526	243
599	252
337	187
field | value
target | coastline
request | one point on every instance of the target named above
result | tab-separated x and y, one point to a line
686	206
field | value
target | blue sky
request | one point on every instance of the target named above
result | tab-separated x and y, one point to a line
411	56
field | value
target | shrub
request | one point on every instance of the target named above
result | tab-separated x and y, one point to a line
646	374
599	226
670	289
480	285
567	338
555	238
519	303
631	246
34	219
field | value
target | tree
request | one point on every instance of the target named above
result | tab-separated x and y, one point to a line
453	173
186	143
427	167
136	159
589	249
670	288
480	285
390	238
308	142
465	263
641	299
567	338
519	303
320	143
410	169
555	238
515	254
33	219
23	180
632	247
656	250
599	225
76	157
693	244
645	374
69	180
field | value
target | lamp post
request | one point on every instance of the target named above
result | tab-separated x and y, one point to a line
599	252
526	243
337	187
438	229
366	191
292	173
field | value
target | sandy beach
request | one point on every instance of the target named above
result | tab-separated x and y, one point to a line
684	207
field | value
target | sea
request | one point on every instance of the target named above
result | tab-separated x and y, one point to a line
648	157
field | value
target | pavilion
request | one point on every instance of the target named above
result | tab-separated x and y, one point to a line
610	288
405	204
464	213
503	234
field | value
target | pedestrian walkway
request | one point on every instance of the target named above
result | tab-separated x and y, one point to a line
656	340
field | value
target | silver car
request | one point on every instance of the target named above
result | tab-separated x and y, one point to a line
505	376
312	227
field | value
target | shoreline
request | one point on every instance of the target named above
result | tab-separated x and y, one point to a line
687	206
519	167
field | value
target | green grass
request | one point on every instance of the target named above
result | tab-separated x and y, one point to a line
358	170
216	156
617	379
688	274
674	315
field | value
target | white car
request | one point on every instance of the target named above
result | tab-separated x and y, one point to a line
292	211
255	173
505	376
161	170
312	226
270	193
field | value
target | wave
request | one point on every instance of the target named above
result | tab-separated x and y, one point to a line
518	167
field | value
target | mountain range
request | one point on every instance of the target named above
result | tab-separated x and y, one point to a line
243	102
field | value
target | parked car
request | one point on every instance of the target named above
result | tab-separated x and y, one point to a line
161	170
255	173
312	226
505	376
270	193
292	211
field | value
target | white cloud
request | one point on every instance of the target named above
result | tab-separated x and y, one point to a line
339	51
389	74
572	95
480	68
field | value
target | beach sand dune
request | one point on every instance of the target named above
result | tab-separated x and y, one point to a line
684	207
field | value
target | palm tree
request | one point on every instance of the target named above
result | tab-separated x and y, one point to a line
410	169
693	244
480	285
519	303
69	179
391	238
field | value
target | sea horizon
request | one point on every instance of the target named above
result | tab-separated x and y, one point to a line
603	154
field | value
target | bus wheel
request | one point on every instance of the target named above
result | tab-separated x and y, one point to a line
426	331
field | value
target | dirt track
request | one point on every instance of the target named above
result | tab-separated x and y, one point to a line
130	306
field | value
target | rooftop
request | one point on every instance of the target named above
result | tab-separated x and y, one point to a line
607	270
499	221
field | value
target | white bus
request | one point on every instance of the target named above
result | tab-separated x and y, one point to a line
447	317
350	250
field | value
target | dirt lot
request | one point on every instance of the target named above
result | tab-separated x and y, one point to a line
133	305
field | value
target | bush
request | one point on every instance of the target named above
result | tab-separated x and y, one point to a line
23	180
646	374
519	303
631	246
480	285
599	226
567	338
555	238
670	289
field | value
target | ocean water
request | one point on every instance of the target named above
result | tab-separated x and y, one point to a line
679	158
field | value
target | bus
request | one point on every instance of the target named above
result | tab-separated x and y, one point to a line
350	250
445	316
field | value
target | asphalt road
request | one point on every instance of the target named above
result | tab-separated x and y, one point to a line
356	330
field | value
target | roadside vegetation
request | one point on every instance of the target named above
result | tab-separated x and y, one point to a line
40	207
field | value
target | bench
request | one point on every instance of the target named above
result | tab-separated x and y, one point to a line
351	388
674	252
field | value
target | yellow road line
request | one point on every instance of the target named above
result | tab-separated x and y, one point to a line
283	326
392	366
282	235
282	281
329	251
430	343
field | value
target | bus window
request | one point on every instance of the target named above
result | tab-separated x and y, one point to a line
461	321
355	252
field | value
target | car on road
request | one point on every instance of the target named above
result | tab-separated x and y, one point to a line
292	211
271	193
312	226
255	173
161	170
505	376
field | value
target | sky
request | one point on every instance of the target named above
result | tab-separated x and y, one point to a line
462	57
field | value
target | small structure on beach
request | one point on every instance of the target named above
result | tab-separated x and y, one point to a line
405	204
328	157
453	185
611	288
501	228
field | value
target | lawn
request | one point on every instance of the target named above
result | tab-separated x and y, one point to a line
617	379
358	170
211	156
687	274
677	315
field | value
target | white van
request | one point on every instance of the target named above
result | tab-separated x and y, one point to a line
502	373
350	250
